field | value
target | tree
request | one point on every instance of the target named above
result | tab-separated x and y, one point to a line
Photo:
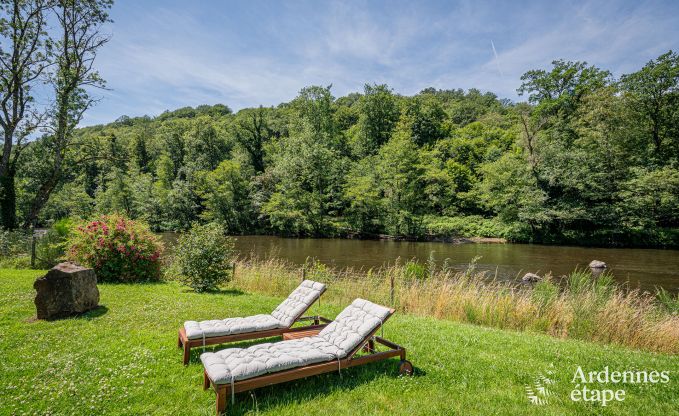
651	200
653	93
378	116
314	104
141	155
362	192
226	197
206	146
251	131
428	117
75	51
23	60
399	171
509	189
559	91
308	170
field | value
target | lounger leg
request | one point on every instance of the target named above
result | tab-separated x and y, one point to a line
179	340
206	381
221	400
369	346
187	353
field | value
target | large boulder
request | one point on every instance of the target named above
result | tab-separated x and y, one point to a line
597	264
65	290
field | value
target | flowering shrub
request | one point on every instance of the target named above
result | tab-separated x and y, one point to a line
203	257
118	249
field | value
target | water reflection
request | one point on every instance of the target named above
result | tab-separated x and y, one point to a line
645	268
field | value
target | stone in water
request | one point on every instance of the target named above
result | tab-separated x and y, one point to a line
531	278
596	264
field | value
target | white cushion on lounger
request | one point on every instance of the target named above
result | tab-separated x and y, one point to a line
230	326
299	300
353	324
351	327
283	316
244	363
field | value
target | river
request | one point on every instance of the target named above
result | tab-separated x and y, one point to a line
644	268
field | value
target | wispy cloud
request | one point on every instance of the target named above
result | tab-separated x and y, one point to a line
165	55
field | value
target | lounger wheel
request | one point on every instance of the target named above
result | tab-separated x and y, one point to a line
405	368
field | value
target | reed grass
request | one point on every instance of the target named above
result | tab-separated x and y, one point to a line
579	306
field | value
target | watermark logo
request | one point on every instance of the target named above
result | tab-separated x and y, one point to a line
600	387
588	384
538	392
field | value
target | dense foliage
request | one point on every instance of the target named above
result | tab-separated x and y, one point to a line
119	249
203	257
589	159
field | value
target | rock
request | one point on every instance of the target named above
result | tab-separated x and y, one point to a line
531	278
65	290
596	264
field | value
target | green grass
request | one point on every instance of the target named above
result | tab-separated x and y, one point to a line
123	359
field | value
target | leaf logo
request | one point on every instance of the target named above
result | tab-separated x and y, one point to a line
538	393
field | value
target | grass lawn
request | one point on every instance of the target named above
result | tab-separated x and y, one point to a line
123	359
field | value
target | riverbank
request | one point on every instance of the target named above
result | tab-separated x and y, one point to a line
122	359
428	238
577	306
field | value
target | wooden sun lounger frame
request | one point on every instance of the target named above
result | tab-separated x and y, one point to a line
223	391
319	322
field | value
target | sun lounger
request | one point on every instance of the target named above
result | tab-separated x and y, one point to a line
280	321
332	348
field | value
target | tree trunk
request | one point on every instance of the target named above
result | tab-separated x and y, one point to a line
39	202
7	200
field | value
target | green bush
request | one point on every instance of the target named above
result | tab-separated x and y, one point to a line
464	226
14	243
415	271
203	257
51	248
119	249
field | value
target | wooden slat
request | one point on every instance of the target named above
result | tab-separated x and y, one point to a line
300	334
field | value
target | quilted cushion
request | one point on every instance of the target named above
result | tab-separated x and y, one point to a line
230	326
284	316
244	363
299	301
352	326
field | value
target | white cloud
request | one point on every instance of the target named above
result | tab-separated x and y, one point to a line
169	58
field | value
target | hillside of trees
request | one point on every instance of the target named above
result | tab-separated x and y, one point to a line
587	159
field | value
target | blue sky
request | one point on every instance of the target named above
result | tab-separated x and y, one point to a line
167	54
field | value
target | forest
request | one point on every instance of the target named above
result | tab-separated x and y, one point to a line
587	159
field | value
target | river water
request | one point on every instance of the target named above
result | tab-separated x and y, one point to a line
645	268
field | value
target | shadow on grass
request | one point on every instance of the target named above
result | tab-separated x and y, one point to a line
314	387
302	390
227	292
100	310
135	283
88	316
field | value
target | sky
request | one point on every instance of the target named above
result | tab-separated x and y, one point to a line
166	54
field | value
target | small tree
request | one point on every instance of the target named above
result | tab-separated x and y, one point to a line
203	258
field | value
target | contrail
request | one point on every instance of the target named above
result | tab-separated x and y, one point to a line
497	61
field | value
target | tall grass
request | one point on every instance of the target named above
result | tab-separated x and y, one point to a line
580	306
